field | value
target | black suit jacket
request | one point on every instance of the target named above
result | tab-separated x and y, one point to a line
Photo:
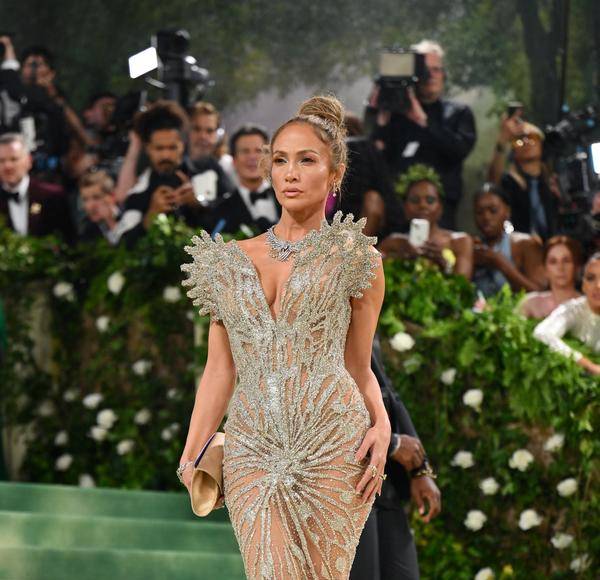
396	488
444	144
234	212
48	211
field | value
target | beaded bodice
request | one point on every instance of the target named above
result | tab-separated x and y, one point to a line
335	264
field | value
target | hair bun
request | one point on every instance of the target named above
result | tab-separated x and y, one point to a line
327	108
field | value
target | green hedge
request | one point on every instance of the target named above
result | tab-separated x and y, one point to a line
121	327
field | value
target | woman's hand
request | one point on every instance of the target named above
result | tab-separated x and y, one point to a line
375	445
186	476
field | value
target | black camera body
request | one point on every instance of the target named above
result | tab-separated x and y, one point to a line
399	69
568	149
184	81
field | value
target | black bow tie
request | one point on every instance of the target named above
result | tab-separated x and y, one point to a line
254	195
10	195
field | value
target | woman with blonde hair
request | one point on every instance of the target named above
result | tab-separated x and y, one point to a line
293	315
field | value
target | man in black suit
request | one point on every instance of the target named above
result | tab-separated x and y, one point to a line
172	184
252	202
28	206
432	130
387	549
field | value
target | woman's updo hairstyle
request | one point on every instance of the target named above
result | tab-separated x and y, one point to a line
325	114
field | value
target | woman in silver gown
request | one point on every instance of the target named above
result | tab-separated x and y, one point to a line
579	317
293	315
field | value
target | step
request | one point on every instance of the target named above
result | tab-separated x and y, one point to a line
77	501
28	563
54	531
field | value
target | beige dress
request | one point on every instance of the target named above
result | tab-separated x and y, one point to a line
296	417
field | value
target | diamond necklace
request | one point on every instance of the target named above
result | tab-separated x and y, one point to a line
282	249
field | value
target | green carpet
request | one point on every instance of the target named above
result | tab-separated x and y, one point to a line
54	532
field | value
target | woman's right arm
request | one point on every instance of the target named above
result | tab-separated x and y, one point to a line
212	397
551	330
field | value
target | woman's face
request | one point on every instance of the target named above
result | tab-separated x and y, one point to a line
490	214
560	267
301	168
423	202
591	285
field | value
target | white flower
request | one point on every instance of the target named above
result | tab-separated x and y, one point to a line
46	408
63	462
106	418
561	541
190	315
70	395
475	520
115	282
529	519
489	486
125	446
64	290
473	398
98	433
485	574
141	367
172	394
171	294
520	460
402	341
174	427
463	459
86	480
555	442
142	417
61	438
567	487
102	323
580	564
92	401
448	376
166	434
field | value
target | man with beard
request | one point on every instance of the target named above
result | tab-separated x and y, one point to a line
166	186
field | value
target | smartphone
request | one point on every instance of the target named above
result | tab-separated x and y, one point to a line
515	107
205	186
419	232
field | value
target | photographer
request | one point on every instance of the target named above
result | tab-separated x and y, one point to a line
532	192
433	131
166	187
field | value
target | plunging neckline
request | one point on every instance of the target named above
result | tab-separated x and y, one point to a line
275	317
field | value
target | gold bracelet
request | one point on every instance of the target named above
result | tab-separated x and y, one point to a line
426	471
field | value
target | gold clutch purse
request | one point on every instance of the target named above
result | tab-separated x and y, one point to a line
207	480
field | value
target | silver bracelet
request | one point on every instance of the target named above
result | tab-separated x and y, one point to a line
181	469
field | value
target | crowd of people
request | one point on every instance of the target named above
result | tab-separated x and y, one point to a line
59	175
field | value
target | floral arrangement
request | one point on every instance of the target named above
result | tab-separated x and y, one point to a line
510	427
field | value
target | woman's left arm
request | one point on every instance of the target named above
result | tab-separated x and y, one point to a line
365	313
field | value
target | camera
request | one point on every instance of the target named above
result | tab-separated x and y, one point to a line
573	147
399	69
178	75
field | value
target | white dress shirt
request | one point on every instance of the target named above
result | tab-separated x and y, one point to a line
19	211
261	207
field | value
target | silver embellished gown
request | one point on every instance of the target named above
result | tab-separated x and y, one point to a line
296	417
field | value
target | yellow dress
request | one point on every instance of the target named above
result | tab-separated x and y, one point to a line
296	417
